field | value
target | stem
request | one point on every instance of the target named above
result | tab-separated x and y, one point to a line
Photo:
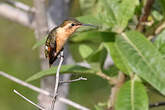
28	100
145	13
57	80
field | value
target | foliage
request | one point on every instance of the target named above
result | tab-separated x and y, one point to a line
131	51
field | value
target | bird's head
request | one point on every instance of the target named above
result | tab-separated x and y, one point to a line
71	25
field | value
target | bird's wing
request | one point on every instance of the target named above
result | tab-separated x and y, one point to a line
50	49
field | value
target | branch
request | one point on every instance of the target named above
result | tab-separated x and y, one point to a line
120	80
16	15
145	13
70	81
38	106
24	84
111	80
62	99
57	80
20	5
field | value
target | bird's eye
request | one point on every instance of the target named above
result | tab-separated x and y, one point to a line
73	24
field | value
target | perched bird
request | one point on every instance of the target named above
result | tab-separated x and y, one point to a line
58	36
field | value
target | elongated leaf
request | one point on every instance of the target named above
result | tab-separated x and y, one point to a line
132	96
64	69
143	58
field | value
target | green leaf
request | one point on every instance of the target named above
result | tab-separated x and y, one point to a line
74	49
132	96
97	58
143	58
93	36
89	19
64	69
116	13
85	50
160	42
124	13
39	43
120	61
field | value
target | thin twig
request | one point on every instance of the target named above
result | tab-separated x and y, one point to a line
39	90
57	80
74	80
111	80
24	83
145	13
38	106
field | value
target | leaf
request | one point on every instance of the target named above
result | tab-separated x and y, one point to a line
132	96
124	13
93	36
64	69
89	19
85	50
39	43
74	49
120	61
160	42
97	58
143	58
116	13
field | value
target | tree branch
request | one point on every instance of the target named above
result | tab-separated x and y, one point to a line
145	13
62	99
57	80
120	80
16	15
74	80
38	106
20	5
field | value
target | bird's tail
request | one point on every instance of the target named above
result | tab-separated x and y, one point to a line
52	60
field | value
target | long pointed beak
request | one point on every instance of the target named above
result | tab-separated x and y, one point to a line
89	25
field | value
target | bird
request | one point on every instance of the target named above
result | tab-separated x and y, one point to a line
58	36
